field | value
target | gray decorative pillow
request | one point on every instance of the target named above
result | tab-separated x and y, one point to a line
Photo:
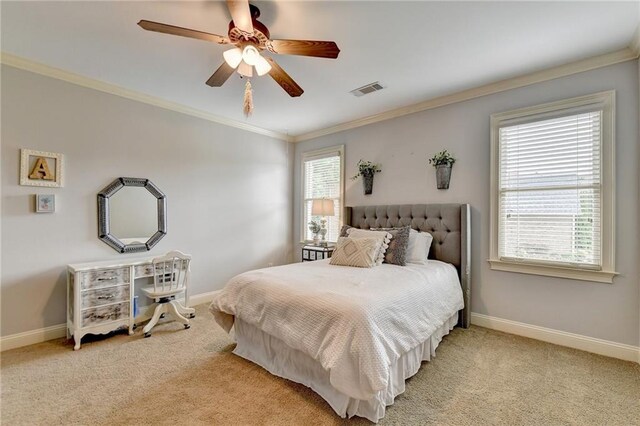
344	230
396	253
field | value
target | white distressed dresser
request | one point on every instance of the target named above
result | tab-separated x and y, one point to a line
100	296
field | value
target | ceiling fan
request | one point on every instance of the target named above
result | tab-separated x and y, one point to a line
250	37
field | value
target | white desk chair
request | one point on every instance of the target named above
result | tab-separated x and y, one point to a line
170	279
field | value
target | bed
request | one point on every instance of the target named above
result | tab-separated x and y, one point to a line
354	335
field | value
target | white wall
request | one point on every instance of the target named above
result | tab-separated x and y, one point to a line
228	191
402	145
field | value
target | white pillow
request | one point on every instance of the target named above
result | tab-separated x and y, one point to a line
383	236
419	245
359	252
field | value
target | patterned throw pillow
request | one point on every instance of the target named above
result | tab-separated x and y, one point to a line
359	252
384	237
396	254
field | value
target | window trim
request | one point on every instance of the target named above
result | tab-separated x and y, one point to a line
604	101
317	154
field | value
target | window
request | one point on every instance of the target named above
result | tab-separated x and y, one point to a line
322	177
552	190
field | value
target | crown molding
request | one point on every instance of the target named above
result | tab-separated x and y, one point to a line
102	86
595	62
629	53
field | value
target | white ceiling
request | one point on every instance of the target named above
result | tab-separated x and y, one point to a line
419	50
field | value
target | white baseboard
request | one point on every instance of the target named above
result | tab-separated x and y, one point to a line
562	338
32	337
199	299
59	331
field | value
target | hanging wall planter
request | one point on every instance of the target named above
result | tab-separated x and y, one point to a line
443	162
367	170
443	176
367	183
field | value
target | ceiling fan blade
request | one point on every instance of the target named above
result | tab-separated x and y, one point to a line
221	75
284	80
241	15
184	32
320	49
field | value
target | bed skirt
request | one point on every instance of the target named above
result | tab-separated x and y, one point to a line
281	360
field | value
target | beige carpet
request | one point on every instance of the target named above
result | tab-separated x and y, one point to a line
190	377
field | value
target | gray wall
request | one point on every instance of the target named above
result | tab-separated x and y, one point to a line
228	191
402	145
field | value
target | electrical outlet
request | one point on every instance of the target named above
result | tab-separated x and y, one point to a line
270	264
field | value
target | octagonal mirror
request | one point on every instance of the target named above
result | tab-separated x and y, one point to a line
131	215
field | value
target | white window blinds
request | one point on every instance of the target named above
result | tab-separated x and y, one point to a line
550	191
322	178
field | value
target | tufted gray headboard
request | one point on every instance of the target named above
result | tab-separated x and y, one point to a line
450	225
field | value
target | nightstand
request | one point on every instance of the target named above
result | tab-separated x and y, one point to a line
311	252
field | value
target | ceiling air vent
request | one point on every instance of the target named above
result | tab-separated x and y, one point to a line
369	88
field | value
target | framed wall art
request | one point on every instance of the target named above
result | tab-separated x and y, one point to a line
45	203
40	168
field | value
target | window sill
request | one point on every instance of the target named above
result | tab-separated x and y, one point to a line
553	271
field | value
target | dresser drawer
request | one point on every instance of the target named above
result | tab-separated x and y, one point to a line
104	278
147	270
144	270
101	314
103	296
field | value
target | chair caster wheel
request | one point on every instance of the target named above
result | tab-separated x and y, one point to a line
192	315
134	326
187	326
147	335
162	315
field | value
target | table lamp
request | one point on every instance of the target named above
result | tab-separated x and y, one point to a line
323	208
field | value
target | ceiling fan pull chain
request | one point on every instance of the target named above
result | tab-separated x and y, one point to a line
248	99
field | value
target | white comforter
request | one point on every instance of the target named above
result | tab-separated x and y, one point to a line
355	322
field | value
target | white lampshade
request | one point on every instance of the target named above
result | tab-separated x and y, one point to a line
245	69
233	57
250	55
262	66
322	207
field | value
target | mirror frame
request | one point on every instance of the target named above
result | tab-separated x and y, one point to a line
104	215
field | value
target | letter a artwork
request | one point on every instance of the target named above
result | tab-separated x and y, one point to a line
41	170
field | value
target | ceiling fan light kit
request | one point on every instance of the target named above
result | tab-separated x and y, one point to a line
250	54
246	58
245	69
250	37
233	57
262	66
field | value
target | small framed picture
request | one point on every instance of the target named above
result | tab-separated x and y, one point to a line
40	168
45	203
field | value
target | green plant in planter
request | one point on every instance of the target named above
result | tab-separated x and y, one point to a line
442	161
314	227
367	168
442	158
